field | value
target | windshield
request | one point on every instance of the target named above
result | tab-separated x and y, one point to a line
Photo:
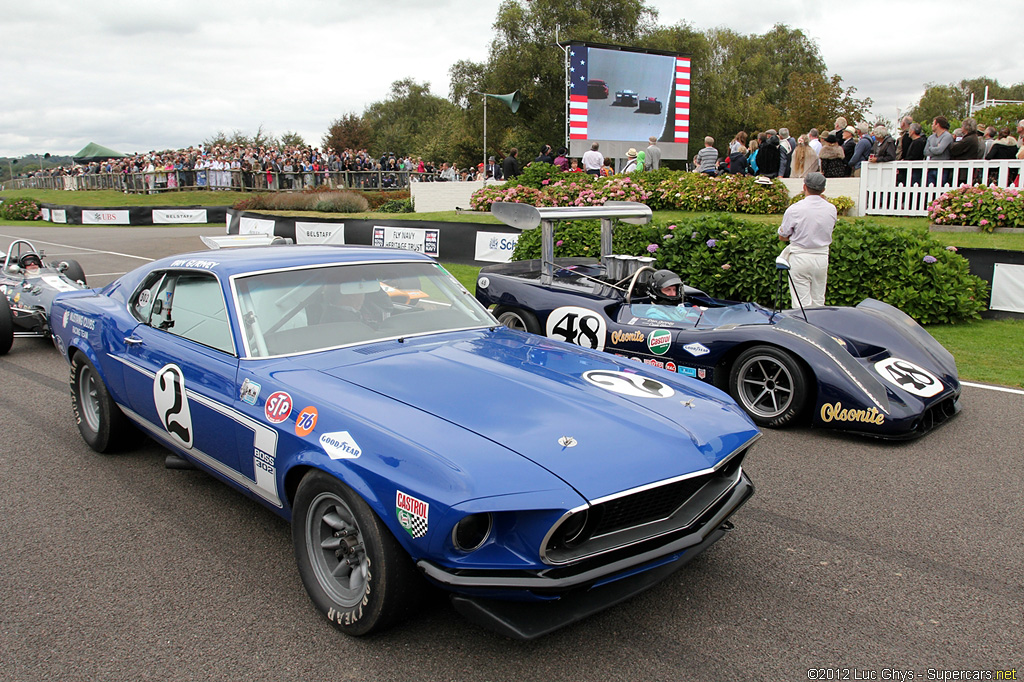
311	309
699	317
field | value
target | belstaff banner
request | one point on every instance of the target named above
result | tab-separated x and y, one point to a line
167	216
319	233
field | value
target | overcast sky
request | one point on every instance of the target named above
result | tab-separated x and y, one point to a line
137	75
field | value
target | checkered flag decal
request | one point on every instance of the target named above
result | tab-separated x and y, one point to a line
414	525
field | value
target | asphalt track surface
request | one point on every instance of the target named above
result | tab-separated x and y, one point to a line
854	555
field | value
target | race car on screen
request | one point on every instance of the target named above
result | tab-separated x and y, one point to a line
409	437
868	369
649	105
27	287
625	98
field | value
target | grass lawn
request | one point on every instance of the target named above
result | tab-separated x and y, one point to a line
987	351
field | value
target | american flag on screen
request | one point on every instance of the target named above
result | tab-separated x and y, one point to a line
682	99
578	93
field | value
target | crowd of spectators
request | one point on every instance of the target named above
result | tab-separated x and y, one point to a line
232	167
840	152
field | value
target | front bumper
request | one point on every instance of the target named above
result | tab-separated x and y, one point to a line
535	603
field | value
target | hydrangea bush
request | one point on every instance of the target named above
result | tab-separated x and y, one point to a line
979	206
734	259
842	204
20	209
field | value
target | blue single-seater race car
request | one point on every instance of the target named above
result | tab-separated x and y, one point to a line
869	369
363	394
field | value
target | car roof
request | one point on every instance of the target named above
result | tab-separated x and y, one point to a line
241	260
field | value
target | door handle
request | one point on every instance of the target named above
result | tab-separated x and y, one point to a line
132	340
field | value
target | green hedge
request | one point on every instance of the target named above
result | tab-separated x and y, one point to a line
734	259
20	209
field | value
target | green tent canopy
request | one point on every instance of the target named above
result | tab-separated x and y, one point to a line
96	152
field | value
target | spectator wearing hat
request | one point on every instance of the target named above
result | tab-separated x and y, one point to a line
847	139
561	161
833	161
807	226
630	161
494	169
706	159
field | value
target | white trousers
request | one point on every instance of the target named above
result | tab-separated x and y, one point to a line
808	275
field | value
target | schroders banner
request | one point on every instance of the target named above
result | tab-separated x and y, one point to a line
495	247
408	238
105	216
166	216
319	233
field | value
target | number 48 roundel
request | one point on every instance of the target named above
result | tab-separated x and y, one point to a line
580	326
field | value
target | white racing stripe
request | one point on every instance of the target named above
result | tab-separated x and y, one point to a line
82	248
992	388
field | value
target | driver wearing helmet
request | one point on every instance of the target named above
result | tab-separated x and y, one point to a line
31	262
665	290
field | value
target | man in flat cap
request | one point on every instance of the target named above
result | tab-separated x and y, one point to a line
807	225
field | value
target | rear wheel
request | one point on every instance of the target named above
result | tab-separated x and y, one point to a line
516	318
6	325
354	570
769	384
100	421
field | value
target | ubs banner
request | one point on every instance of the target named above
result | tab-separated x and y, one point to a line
105	216
409	238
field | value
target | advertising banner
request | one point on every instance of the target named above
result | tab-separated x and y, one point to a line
319	233
166	216
1008	288
59	215
105	216
495	247
408	238
256	226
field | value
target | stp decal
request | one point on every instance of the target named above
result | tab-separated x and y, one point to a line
412	514
172	404
306	420
580	326
625	383
910	377
278	407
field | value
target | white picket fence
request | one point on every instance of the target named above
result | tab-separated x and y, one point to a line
906	188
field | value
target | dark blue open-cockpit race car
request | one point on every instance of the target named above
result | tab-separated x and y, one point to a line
869	369
363	394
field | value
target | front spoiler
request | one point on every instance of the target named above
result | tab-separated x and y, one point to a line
582	594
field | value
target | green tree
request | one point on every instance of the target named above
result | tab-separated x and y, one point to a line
292	139
347	132
941	100
1001	116
404	122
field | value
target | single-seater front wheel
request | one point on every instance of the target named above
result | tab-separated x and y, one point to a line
6	325
354	570
769	384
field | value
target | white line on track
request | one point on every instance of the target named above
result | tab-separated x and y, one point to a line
106	274
82	248
992	388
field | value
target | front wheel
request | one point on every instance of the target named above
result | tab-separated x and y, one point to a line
100	421
516	318
354	570
74	271
769	384
6	325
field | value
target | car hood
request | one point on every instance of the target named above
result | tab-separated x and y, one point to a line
529	394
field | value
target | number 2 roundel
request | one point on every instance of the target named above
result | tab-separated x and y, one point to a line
172	404
580	326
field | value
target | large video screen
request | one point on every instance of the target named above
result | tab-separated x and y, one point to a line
620	97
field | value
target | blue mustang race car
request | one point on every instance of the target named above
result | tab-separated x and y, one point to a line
367	397
870	369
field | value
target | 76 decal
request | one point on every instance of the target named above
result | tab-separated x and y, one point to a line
579	326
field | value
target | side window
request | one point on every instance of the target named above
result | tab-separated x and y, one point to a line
190	306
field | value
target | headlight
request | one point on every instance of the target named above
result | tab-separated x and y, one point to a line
472	531
574	531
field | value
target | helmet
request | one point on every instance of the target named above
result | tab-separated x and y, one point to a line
662	279
31	260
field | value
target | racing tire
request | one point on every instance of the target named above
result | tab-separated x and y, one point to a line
769	384
517	318
352	567
6	325
74	271
100	421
